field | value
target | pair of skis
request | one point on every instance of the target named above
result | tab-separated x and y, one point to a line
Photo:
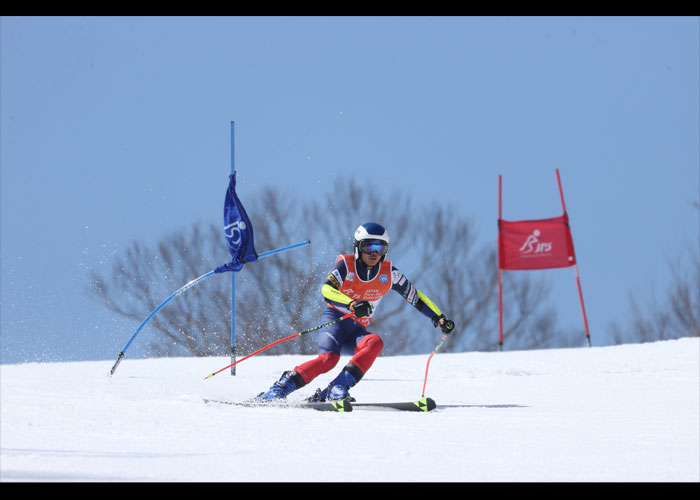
421	405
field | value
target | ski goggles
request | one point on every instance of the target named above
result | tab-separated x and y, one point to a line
379	246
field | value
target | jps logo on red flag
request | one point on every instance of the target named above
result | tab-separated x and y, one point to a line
534	245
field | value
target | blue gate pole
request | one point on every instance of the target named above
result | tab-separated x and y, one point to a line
233	275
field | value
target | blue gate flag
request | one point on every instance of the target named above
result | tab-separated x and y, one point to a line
238	231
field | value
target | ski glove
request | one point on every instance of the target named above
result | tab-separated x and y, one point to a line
446	325
361	308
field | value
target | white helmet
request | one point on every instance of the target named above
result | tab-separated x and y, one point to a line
371	232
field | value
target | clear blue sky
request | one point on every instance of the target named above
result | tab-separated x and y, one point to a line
117	129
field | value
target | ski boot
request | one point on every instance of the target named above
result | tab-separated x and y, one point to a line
289	382
335	393
339	387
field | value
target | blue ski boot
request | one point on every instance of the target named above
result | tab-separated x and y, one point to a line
339	387
289	382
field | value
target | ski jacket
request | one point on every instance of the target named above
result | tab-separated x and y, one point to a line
351	280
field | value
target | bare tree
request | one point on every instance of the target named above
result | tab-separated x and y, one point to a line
677	316
432	243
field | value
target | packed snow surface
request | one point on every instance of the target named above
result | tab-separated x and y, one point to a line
622	413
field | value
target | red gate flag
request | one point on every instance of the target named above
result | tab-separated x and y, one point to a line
535	244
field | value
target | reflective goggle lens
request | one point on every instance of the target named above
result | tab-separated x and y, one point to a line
369	246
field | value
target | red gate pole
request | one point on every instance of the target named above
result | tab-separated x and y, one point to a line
578	280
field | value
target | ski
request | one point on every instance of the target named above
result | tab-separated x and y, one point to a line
423	404
336	406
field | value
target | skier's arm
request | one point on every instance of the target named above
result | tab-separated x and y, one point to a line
424	302
332	294
420	301
331	287
361	308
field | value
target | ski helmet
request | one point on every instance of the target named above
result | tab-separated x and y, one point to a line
371	232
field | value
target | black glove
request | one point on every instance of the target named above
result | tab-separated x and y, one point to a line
361	308
446	325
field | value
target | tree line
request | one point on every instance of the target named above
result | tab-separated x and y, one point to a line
433	245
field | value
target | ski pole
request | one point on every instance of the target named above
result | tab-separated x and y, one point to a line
298	334
187	287
153	313
428	365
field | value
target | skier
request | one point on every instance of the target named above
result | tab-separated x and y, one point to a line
355	284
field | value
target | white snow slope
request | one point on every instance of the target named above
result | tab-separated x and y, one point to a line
609	414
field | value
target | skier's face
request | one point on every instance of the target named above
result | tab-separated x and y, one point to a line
371	259
373	251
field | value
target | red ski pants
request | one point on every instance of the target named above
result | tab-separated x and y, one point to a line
366	351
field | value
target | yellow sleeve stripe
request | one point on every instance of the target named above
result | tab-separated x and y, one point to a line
428	302
335	295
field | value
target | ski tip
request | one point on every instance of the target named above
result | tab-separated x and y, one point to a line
426	404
